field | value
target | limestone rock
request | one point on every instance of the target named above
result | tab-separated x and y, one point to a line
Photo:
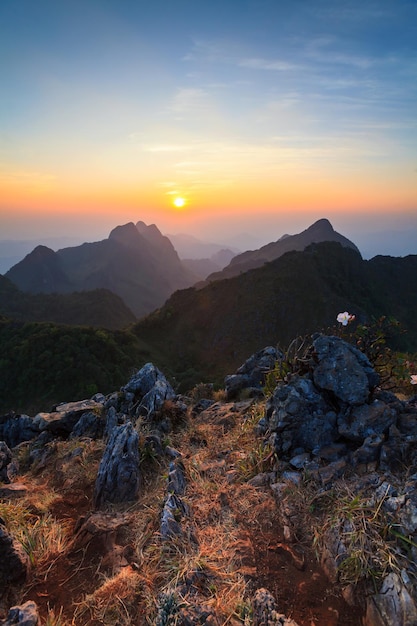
265	612
343	370
392	605
15	429
360	422
5	460
118	478
173	512
61	421
252	374
14	562
24	615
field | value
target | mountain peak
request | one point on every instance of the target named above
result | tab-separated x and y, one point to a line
323	226
128	235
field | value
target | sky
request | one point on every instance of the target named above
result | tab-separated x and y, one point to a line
258	116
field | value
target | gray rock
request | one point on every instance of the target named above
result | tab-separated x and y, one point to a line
343	370
143	381
392	605
252	374
15	429
265	612
155	398
360	422
61	421
173	512
300	417
118	478
14	561
89	425
5	461
24	615
176	478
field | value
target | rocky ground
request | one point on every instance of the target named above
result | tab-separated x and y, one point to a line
148	508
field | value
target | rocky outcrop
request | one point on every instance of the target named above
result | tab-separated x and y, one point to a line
24	615
333	422
335	412
118	478
252	374
14	561
147	391
5	461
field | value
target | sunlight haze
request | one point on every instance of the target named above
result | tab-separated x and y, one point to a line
212	118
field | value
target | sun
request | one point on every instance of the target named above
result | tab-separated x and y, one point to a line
179	202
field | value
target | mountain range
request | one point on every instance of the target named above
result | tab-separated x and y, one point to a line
141	266
320	231
136	262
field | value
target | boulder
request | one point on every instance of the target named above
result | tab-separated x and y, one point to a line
252	374
360	422
343	370
14	561
143	381
15	429
5	461
300	416
24	615
62	420
118	478
392	605
153	401
89	425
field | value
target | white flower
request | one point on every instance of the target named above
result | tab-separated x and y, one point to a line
413	379
344	318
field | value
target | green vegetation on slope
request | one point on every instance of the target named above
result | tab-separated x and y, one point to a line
43	364
202	335
99	307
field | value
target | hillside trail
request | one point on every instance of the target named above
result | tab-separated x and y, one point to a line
232	541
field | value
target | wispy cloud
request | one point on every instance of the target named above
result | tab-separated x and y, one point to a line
187	99
265	64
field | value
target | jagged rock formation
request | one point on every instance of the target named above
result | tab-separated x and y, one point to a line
328	422
14	562
118	478
334	423
251	375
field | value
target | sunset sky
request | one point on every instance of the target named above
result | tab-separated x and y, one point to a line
262	115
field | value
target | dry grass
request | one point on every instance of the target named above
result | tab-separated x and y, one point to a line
115	601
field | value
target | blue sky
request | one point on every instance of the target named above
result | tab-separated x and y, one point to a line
267	113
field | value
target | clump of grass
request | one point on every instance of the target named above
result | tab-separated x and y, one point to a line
114	602
202	391
41	535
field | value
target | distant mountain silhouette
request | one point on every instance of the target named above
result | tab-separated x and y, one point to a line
203	267
190	247
136	262
320	231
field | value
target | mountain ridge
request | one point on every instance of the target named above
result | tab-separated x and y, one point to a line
136	263
319	231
